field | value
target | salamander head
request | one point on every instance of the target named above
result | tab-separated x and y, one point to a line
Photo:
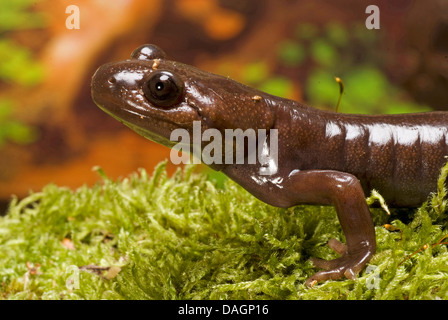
153	96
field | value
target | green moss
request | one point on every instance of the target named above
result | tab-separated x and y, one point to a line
291	53
324	53
16	15
277	86
255	72
17	66
182	237
13	130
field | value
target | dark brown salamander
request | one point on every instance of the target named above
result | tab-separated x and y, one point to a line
324	158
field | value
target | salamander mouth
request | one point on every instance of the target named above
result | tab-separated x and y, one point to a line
140	130
138	121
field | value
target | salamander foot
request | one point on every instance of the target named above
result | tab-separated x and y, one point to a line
348	265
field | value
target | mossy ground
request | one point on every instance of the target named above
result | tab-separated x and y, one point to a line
186	237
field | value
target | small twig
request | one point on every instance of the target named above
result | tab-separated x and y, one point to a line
341	91
424	247
112	271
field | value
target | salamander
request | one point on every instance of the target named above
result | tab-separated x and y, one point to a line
323	157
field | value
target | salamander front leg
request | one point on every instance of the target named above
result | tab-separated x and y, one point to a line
344	191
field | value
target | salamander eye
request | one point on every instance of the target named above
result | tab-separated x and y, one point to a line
148	52
163	89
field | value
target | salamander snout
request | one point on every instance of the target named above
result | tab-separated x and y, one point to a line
119	81
98	85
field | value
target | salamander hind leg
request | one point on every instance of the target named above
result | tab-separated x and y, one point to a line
344	191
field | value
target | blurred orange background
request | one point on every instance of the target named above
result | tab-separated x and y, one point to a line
276	45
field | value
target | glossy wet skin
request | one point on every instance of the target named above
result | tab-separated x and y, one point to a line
123	90
324	158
